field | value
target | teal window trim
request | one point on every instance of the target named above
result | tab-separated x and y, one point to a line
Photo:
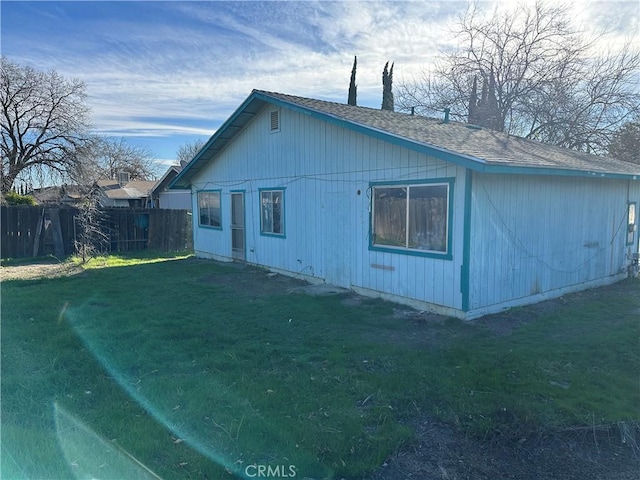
631	235
204	225
447	254
282	213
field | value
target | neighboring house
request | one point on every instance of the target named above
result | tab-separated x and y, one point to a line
439	215
125	193
162	197
69	195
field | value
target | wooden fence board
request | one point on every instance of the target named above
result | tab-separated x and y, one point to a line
128	229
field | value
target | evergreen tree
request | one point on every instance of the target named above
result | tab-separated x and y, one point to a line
387	93
353	88
626	143
486	111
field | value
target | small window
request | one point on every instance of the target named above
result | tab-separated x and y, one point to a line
412	217
631	223
209	209
272	212
275	121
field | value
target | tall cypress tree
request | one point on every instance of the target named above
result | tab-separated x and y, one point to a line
353	88
486	111
387	93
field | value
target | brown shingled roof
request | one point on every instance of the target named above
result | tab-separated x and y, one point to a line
487	146
473	147
131	190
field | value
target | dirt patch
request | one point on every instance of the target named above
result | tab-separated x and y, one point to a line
38	270
442	452
252	282
507	322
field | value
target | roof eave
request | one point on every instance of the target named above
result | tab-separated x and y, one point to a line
564	172
239	119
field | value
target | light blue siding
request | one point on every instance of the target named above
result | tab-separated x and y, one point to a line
535	235
526	235
326	171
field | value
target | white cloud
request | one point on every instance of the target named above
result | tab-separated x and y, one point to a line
174	68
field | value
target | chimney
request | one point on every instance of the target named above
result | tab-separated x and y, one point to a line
446	115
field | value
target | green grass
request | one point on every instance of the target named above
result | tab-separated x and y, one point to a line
145	357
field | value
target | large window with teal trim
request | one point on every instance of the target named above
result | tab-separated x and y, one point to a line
209	213
414	218
272	212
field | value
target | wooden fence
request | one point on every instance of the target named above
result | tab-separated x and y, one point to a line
37	231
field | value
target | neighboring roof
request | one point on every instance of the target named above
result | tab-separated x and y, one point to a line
134	189
59	194
171	173
468	145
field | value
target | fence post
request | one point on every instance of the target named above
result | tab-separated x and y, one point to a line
36	241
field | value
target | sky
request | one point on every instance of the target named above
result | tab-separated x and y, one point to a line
163	73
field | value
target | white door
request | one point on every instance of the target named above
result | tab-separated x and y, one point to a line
237	226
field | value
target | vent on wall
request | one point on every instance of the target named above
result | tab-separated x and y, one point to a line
275	121
123	178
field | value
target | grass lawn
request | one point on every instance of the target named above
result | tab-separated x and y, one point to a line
182	368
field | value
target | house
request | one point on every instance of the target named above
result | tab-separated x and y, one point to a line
163	197
439	215
125	193
65	195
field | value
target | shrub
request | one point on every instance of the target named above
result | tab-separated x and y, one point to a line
13	198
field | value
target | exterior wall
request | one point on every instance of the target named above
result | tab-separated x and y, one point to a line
537	237
326	172
110	202
175	199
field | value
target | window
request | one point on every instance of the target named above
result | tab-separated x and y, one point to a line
272	212
209	209
631	223
412	217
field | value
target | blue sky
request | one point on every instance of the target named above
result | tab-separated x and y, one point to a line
164	73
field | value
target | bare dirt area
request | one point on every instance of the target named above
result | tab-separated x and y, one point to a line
35	271
442	452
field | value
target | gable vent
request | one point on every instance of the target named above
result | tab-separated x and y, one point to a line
275	121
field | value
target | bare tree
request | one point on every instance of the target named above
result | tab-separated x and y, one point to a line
105	158
188	150
91	234
549	82
44	120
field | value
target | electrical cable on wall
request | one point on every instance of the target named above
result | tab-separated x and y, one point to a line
518	243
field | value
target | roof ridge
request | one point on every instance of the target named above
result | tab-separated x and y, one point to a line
482	149
504	136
